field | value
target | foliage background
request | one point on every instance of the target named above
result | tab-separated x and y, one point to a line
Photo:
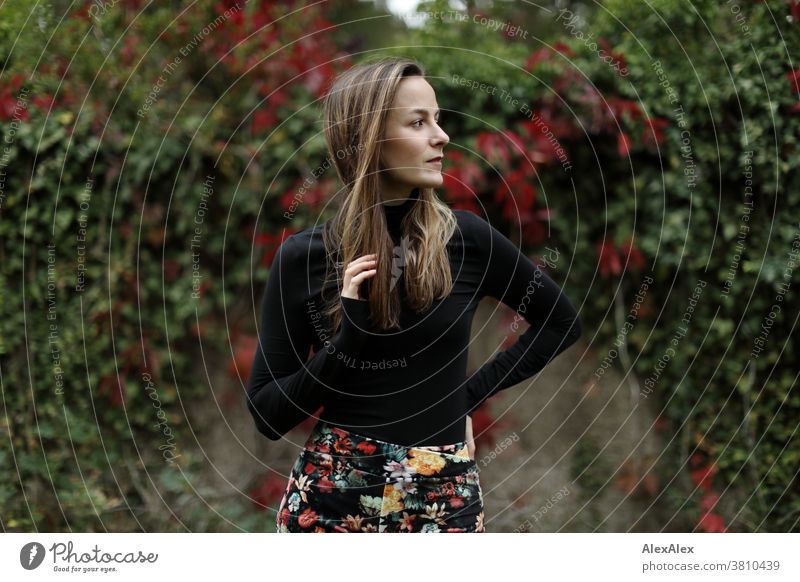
110	391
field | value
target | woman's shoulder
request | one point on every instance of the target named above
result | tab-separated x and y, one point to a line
468	218
306	239
475	230
301	250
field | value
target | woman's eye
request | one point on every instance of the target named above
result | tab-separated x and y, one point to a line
421	121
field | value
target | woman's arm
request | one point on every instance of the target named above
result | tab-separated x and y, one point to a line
284	389
470	438
512	278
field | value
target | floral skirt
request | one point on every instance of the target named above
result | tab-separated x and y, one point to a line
345	482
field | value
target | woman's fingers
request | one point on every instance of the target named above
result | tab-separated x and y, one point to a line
356	272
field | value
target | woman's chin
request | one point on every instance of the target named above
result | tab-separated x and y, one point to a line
433	179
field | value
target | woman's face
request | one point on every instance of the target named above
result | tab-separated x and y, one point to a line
411	139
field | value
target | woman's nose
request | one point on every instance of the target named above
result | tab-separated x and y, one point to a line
442	137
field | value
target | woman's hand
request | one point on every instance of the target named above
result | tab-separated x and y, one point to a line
470	440
355	274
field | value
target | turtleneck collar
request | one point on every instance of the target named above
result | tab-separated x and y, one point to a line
395	212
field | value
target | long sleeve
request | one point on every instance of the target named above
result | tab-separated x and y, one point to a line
512	278
284	389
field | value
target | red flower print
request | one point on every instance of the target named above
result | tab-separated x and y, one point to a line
342	446
325	485
308	518
366	447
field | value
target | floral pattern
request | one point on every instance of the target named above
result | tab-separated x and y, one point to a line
345	482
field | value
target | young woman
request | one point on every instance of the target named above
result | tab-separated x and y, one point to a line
390	331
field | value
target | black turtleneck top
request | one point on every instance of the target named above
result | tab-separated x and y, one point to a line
406	386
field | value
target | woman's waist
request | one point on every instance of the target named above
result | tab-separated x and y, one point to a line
331	444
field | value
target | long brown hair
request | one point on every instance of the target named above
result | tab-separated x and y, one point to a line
355	111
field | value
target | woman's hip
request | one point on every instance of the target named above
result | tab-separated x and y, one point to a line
347	482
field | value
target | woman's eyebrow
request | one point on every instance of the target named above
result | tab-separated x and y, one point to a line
420	111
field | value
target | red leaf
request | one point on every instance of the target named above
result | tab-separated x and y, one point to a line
623	144
462	182
610	264
564	49
654	131
539	56
633	256
794	79
271	488
113	386
494	147
702	476
712	523
709	501
272	242
244	351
